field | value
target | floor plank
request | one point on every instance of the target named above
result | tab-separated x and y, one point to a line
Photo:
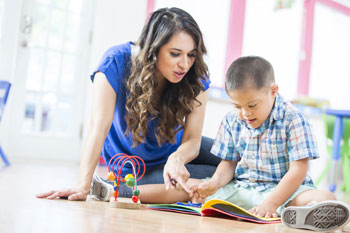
21	211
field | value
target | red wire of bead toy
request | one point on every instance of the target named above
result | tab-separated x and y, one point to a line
121	159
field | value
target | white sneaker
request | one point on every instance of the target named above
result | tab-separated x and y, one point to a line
323	216
100	189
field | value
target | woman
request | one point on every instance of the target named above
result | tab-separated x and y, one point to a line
149	100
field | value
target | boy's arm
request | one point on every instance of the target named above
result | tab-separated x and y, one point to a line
286	187
223	175
224	172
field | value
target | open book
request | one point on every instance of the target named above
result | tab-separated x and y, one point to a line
214	208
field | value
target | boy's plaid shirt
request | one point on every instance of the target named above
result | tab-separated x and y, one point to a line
264	153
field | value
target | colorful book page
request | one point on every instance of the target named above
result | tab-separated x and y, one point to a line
175	208
236	211
214	208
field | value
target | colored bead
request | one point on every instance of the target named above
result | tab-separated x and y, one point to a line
135	199
111	176
130	182
115	194
115	183
129	176
136	192
114	187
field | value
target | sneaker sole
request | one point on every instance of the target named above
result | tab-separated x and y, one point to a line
98	189
324	216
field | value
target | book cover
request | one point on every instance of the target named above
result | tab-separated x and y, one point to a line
213	208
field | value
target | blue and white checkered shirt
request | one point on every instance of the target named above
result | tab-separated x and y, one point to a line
264	153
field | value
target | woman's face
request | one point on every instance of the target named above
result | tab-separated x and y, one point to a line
175	58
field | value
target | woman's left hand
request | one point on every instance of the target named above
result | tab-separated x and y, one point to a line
175	173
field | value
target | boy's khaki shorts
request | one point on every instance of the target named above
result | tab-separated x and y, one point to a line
249	197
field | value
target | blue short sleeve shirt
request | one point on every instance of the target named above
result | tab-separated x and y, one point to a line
115	64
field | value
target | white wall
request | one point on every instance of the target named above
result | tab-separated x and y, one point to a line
216	110
275	35
330	72
115	22
213	19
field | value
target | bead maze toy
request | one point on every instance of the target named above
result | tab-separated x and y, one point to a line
130	180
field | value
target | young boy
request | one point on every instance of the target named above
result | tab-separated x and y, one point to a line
265	146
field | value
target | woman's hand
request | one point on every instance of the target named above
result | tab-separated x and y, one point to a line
74	194
175	173
103	107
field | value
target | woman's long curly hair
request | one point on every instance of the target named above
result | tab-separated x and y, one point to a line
143	103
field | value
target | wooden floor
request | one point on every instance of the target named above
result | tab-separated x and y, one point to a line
21	211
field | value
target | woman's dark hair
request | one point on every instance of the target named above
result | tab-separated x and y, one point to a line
143	104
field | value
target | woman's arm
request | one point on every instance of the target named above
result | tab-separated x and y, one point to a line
102	111
189	148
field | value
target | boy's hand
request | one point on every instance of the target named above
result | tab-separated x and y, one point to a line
203	190
266	210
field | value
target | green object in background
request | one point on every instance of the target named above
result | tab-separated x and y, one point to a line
344	152
345	156
328	121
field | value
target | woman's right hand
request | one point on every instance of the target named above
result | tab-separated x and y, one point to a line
175	173
73	194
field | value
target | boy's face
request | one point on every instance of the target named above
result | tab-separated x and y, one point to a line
254	106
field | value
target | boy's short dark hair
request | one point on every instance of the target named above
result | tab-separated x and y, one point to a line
249	72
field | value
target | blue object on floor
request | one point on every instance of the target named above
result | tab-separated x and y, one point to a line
337	136
189	203
4	92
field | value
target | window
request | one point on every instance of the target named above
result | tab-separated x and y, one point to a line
275	35
53	66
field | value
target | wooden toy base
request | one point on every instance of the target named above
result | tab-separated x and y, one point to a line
125	203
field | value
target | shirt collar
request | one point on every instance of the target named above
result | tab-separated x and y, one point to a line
277	111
